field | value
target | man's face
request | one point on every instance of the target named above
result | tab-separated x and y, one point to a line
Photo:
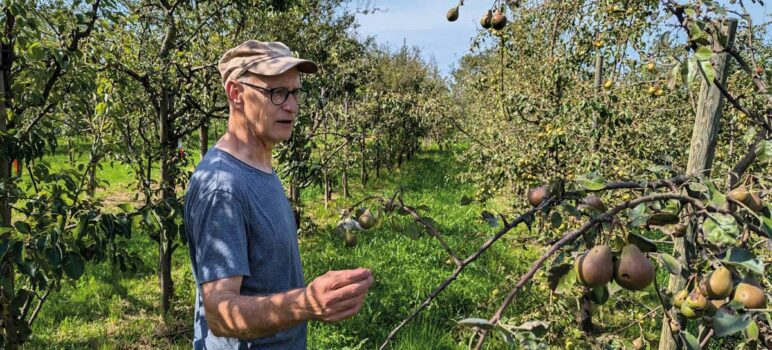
270	122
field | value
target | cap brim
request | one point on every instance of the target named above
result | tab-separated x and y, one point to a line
280	65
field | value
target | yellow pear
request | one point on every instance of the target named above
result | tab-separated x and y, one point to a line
719	284
749	294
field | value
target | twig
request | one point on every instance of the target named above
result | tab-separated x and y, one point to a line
432	230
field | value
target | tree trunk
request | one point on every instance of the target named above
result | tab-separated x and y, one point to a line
167	193
362	150
7	288
203	139
703	146
378	160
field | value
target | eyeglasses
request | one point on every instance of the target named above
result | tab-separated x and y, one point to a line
279	95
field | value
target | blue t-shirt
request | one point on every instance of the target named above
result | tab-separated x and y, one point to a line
239	223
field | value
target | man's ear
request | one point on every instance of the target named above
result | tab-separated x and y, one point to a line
234	91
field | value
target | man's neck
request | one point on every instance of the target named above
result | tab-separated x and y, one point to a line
250	150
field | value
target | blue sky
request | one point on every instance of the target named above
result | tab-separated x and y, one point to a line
422	23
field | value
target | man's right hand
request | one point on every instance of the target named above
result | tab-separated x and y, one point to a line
337	295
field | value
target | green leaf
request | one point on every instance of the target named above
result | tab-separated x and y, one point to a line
126	207
566	282
556	220
703	53
73	265
78	230
693	71
476	322
22	227
538	328
709	72
742	257
725	324
599	295
721	229
671	264
695	31
492	220
643	243
684	71
592	184
764	151
690	341
556	273
698	187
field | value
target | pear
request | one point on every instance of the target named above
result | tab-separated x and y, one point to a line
638	343
749	294
633	270
592	201
719	284
739	194
689	312
537	195
679	298
675	327
485	21
696	300
754	202
595	268
499	21
350	238
366	220
452	14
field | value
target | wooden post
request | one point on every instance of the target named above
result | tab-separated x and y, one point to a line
701	152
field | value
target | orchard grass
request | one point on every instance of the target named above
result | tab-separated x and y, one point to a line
110	309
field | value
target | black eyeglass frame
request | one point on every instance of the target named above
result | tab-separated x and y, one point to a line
272	93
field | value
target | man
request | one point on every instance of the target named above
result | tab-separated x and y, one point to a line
241	230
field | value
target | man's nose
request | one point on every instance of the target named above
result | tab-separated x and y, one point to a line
290	105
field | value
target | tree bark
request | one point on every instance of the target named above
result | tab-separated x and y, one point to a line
701	153
203	139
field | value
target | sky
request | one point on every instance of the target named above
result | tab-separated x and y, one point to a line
422	23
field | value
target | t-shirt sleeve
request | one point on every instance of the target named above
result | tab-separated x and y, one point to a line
220	237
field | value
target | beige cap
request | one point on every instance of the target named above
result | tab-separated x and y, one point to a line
263	58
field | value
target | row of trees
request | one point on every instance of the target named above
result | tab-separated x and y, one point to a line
659	108
135	82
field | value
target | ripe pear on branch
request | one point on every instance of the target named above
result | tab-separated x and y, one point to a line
749	293
633	271
367	220
719	284
595	268
452	14
486	19
537	195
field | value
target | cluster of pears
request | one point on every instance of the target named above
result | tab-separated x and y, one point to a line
751	200
495	20
715	291
367	220
632	270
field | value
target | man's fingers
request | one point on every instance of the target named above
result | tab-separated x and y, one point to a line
352	290
346	277
346	309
